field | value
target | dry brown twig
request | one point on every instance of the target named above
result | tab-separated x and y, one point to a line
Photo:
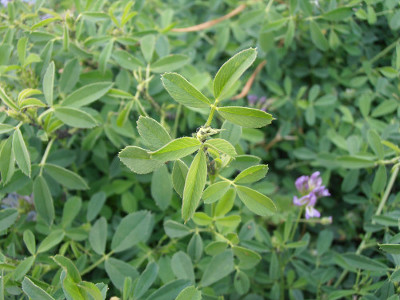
249	83
211	23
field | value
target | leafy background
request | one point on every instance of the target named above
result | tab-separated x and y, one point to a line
77	224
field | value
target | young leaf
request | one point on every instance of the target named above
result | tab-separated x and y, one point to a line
8	217
255	201
133	229
374	142
175	230
161	187
226	202
153	133
50	241
21	153
194	185
244	116
338	14
7	100
252	174
43	200
182	266
176	149
4	128
170	290
30	242
126	60
222	146
33	291
220	266
248	258
23	268
230	71
69	76
87	94
138	160
69	267
169	63
105	56
117	270
66	177
189	293
74	117
179	173
98	236
21	49
183	91
317	37
147	44
71	209
215	191
48	83
95	205
7	161
145	280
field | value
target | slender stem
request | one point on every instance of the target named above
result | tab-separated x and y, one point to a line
45	155
210	117
377	213
176	122
297	223
98	262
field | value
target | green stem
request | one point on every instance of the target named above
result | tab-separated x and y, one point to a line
377	213
45	155
297	223
210	117
98	262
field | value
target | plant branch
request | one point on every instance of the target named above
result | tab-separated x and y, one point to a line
249	83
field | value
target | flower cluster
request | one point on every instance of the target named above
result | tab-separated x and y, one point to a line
310	188
258	102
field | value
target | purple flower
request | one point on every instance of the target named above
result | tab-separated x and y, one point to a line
308	200
302	184
315	180
252	99
5	2
321	191
311	212
262	100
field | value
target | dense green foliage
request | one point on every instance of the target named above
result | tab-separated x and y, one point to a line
134	149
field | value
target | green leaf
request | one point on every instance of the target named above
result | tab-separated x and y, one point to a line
390	248
222	146
117	270
231	132
248	259
7	100
195	247
241	282
179	173
246	117
153	133
317	37
176	149
21	153
66	177
202	219
231	221
231	70
365	263
147	44
169	63
95	205
43	200
74	117
91	289
182	266
194	185
161	187
8	217
138	160
44	23
220	266
50	241
380	178
48	83
375	143
33	291
183	91
7	161
169	291
21	49
98	236
31	102
175	230
4	128
145	280
338	14
354	162
69	267
384	108
71	209
127	60
215	191
87	94
225	203
133	229
70	75
189	293
105	56
70	288
30	242
252	174
255	201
